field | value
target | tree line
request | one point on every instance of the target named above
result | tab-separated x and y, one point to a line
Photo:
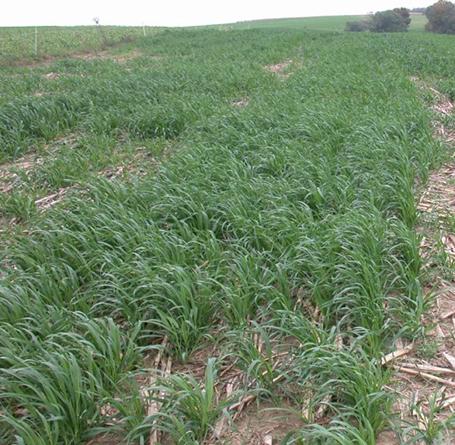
441	19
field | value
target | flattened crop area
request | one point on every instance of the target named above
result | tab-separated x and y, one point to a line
217	240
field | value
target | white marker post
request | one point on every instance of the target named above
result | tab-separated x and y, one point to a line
143	29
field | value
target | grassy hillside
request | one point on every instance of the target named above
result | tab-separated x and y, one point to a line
27	43
20	45
334	23
201	220
418	22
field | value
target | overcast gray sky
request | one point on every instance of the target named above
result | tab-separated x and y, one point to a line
180	12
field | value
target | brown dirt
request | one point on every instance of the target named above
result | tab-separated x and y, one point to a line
52	76
107	55
411	388
445	134
84	55
416	379
262	425
280	69
6	224
9	172
49	201
250	421
241	103
107	439
438	199
139	165
111	173
387	438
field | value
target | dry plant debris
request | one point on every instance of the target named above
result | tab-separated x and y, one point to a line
280	69
9	172
419	378
107	55
241	103
50	200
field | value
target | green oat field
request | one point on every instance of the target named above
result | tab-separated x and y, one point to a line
213	235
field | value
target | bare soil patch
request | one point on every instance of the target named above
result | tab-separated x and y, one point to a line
107	439
425	372
280	69
107	55
241	103
263	424
10	172
439	196
87	55
52	76
54	198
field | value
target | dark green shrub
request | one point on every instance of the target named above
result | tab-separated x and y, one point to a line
358	26
441	17
391	21
405	14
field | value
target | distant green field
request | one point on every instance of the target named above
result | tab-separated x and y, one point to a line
21	43
335	23
418	22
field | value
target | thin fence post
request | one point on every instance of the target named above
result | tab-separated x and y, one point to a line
143	29
36	41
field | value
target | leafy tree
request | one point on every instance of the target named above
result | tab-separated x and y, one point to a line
441	17
397	20
405	14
